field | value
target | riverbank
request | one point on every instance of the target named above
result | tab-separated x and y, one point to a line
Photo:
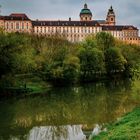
33	86
126	128
29	88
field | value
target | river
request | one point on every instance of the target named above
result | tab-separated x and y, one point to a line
67	113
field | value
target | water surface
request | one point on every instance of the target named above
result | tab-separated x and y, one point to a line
68	113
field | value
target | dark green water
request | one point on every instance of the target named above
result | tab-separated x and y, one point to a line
59	109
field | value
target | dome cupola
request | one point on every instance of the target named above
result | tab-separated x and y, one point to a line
85	14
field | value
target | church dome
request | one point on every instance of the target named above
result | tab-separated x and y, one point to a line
85	10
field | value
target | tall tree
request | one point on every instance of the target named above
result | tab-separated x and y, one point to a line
115	61
105	40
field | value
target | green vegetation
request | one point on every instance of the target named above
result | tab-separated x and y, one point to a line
127	128
55	60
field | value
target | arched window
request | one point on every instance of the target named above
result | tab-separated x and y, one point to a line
112	19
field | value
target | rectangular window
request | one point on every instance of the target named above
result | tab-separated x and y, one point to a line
17	26
27	26
22	25
74	30
12	26
44	29
7	25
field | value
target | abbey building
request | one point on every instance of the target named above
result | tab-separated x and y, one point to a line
72	30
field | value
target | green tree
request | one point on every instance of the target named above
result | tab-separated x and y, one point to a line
62	66
105	40
16	54
132	55
71	68
91	63
90	41
115	62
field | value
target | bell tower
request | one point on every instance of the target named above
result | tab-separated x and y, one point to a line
111	18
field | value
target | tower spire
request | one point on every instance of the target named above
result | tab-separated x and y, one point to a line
85	6
85	3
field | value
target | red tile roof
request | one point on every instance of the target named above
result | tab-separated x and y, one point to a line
18	15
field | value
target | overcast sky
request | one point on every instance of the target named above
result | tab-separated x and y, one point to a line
127	11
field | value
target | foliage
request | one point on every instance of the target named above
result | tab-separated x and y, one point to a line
115	61
16	56
132	55
91	63
105	40
56	60
63	71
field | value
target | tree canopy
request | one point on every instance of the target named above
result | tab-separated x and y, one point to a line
56	60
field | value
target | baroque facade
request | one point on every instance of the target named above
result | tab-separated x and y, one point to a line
72	30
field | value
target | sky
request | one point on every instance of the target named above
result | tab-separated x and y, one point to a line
127	11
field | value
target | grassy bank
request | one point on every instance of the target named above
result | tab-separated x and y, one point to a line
23	86
126	128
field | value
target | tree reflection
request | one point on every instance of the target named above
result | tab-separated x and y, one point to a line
85	104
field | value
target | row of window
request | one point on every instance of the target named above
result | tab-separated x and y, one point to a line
65	30
49	31
130	38
73	38
130	34
122	34
17	25
86	18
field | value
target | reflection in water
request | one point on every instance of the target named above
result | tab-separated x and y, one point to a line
88	105
57	133
54	133
97	130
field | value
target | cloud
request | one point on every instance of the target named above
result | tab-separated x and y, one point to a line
127	11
